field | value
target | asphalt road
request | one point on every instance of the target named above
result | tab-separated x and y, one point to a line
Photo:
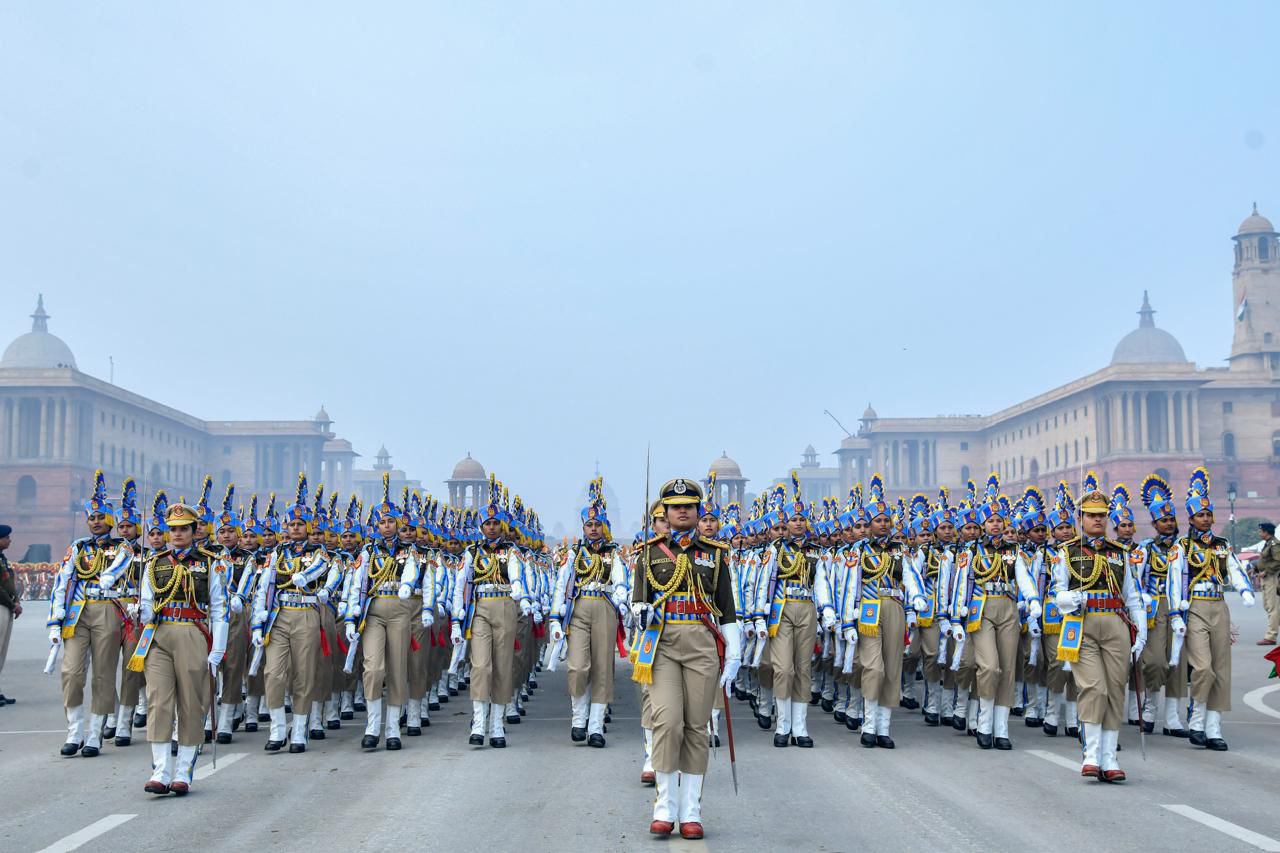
937	790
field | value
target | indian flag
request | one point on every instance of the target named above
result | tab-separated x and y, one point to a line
1243	308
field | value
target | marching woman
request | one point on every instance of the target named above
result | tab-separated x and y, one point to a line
183	606
683	602
589	586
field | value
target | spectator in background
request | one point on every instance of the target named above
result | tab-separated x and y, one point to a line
10	606
1268	568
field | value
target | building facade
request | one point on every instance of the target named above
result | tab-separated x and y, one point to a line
59	425
1149	409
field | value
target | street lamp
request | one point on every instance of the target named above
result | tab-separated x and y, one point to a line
1231	499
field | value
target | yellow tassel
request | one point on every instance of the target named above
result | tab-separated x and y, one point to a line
1068	655
137	664
643	674
869	630
1053	629
773	630
68	632
468	634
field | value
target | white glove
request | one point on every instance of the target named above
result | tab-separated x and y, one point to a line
642	613
427	618
537	617
1069	600
323	595
557	633
215	658
962	611
342	610
957	632
257	638
1146	599
351	632
299	580
55	634
1247	598
620	597
762	627
455	634
1177	625
1139	644
850	636
911	619
944	627
237	606
749	629
919	604
132	610
1033	609
526	608
828	618
1033	629
404	592
732	652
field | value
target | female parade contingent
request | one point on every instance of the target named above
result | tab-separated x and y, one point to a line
1053	609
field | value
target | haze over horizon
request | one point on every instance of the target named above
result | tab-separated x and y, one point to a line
492	228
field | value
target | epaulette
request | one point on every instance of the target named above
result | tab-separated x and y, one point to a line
212	554
655	540
714	543
1116	543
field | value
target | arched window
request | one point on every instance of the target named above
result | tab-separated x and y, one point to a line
1229	445
1163	474
1035	468
1264	249
26	490
964	474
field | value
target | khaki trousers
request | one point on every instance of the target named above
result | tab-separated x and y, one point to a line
290	658
646	707
995	650
419	660
966	675
1208	653
1102	672
1155	656
593	632
6	629
384	647
927	638
177	676
1271	601
236	661
324	665
881	656
131	683
685	670
1056	677
493	633
97	638
790	652
522	661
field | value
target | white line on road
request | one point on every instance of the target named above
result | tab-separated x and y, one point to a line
90	832
1254	699
223	761
1055	759
1248	836
36	732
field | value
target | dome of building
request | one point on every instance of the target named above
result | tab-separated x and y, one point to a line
869	414
1147	344
468	469
1256	223
38	348
322	416
725	468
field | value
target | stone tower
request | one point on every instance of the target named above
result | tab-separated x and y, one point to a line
1255	293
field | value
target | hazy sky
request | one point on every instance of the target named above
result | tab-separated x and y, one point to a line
547	233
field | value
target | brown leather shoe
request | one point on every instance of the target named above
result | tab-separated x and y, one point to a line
179	788
692	829
1265	642
154	787
1091	771
661	827
647	777
1113	775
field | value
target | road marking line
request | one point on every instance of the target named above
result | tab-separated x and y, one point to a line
90	832
1055	759
224	761
1248	836
1254	699
35	732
